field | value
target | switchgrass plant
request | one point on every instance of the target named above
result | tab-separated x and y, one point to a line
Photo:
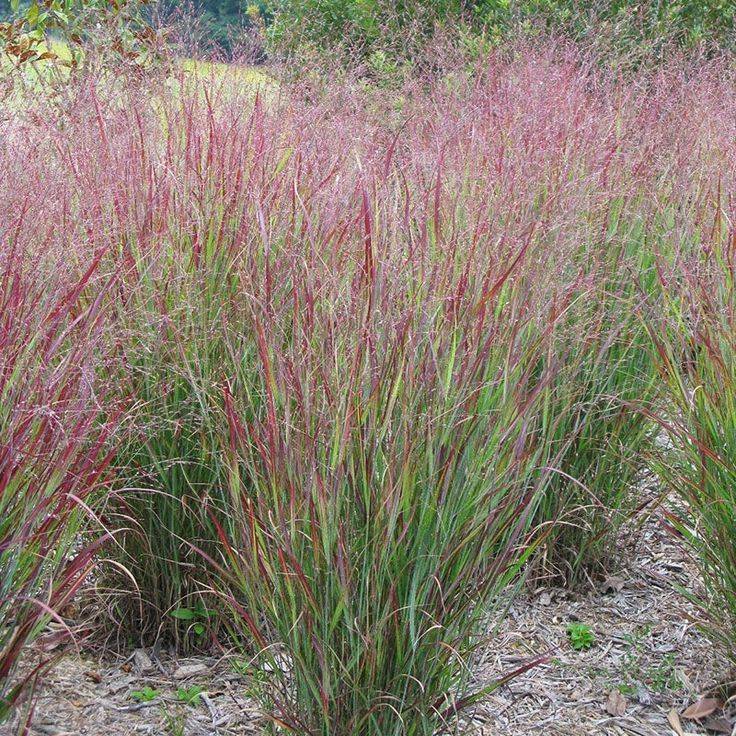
53	461
178	296
594	424
696	345
384	497
169	468
596	433
368	342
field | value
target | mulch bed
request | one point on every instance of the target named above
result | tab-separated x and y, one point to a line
649	658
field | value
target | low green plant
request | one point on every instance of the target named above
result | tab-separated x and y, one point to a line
580	636
197	618
189	696
175	723
145	694
660	678
637	671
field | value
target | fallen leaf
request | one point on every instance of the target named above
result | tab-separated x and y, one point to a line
673	719
189	670
616	703
718	725
701	709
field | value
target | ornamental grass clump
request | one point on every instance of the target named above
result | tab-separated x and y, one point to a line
594	424
168	465
384	496
180	304
595	430
53	463
375	350
180	291
696	349
379	469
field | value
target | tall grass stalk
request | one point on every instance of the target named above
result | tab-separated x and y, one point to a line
383	504
594	424
52	460
169	467
697	357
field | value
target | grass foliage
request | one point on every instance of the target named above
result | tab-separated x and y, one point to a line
696	346
52	460
374	357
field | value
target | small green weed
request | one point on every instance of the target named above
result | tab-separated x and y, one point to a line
175	723
145	695
189	696
580	636
659	678
196	615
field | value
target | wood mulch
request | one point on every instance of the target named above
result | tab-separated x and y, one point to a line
648	663
94	697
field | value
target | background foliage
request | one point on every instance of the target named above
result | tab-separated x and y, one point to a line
366	26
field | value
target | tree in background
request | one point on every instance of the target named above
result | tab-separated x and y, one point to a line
396	28
88	30
365	26
220	21
221	17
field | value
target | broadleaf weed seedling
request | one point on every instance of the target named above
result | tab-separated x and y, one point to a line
190	695
580	636
145	694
